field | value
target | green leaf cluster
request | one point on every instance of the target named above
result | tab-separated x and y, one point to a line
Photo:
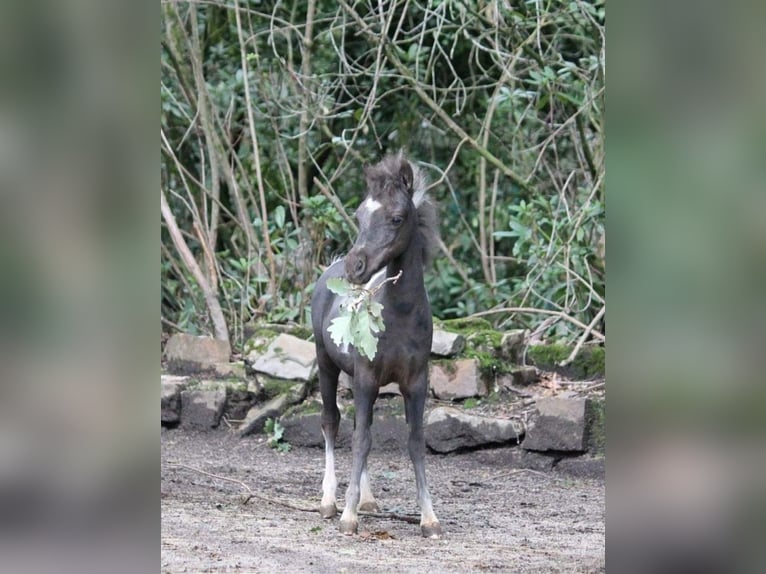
274	429
360	319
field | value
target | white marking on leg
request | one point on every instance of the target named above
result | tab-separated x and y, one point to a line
349	515
427	515
371	205
329	483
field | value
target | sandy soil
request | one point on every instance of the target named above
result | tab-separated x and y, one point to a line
495	518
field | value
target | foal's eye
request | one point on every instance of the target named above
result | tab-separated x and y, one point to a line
396	220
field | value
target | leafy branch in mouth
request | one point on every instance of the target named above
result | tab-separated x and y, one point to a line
360	318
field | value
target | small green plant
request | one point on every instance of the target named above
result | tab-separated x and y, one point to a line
361	317
471	403
275	432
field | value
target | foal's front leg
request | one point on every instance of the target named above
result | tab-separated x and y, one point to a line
365	394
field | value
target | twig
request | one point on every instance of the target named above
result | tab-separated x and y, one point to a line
560	314
582	338
394	515
250	493
591	388
379	39
170	323
516	471
336	202
303	508
393	280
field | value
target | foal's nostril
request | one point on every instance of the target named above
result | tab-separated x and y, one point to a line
356	264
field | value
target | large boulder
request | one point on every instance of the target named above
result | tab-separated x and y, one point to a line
559	425
448	429
192	354
286	357
458	379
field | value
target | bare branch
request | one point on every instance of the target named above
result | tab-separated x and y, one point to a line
211	298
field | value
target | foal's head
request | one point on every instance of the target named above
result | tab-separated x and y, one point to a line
387	218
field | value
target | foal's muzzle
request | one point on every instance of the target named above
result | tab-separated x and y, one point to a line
356	265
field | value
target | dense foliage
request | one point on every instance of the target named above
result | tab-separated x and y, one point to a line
269	110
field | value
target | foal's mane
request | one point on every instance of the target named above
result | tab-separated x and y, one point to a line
428	215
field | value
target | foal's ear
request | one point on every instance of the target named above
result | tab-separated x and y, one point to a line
405	173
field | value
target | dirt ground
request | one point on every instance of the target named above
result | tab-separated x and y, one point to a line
495	517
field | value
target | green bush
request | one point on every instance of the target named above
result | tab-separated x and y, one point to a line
264	133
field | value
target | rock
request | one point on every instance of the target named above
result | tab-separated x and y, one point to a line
257	415
388	432
525	376
459	379
446	344
345	382
390	389
520	458
596	423
512	344
202	409
191	354
286	357
560	426
516	457
229	370
583	467
306	430
239	401
170	398
448	429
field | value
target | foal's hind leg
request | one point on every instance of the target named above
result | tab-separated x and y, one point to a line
414	404
366	499
328	385
365	393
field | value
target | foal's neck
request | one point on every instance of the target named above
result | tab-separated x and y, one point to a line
410	285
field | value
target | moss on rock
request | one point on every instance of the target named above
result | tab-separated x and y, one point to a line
590	361
273	387
482	343
596	416
260	335
307	407
466	326
260	340
486	347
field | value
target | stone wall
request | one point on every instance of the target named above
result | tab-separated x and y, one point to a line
480	396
